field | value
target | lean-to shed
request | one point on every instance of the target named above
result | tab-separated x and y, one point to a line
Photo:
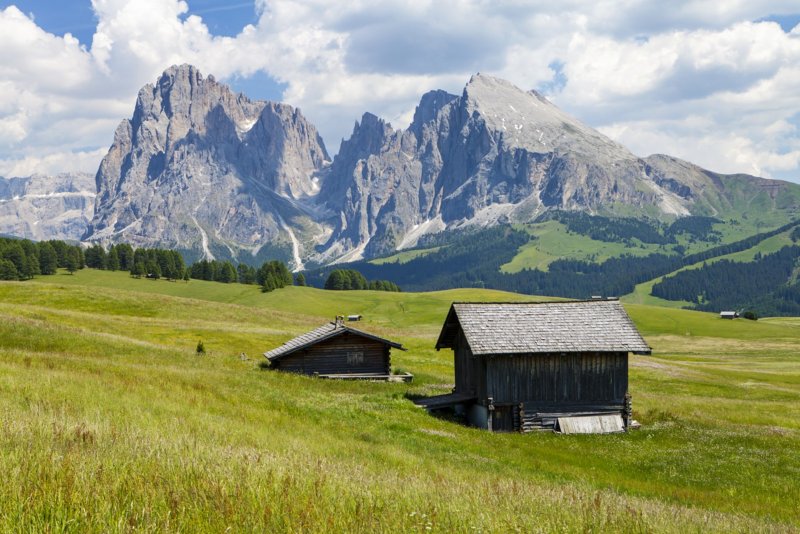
335	350
526	366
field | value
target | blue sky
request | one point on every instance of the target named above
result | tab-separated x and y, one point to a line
715	83
78	18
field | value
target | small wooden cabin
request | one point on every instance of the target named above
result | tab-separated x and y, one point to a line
335	351
544	365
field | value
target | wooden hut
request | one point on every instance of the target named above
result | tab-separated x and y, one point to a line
335	350
546	365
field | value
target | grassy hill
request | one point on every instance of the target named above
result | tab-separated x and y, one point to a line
642	293
111	421
574	254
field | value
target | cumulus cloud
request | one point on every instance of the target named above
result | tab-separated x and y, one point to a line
53	163
717	84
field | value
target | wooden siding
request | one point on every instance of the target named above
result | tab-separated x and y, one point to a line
344	354
470	370
580	379
463	362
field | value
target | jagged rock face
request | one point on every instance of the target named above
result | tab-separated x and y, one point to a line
494	154
41	207
202	169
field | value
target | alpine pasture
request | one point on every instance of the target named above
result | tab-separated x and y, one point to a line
111	421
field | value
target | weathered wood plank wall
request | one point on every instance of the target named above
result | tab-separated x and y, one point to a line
580	378
345	354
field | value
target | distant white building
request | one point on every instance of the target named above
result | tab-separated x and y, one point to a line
728	314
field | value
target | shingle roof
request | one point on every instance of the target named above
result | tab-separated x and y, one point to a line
537	327
322	333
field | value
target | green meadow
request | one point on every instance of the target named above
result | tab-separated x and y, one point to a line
111	422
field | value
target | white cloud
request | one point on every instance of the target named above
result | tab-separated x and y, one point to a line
700	81
53	163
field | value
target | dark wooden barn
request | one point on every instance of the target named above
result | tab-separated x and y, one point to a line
335	350
549	365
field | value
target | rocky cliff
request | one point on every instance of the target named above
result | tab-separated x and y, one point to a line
44	207
500	154
212	173
203	170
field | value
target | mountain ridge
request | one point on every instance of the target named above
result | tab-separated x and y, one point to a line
212	173
44	207
200	168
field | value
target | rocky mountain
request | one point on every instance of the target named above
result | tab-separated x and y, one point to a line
44	207
211	173
499	154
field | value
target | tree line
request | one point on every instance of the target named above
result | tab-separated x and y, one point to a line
625	229
161	263
474	260
349	279
766	284
22	259
270	276
153	263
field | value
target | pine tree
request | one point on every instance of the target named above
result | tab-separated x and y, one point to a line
112	260
31	267
13	252
166	264
7	270
246	274
96	257
125	255
72	262
48	259
300	280
270	283
153	269
335	281
139	270
227	273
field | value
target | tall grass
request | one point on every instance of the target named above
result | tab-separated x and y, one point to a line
110	421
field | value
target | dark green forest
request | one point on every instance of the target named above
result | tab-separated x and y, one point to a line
627	229
22	259
473	259
350	279
767	285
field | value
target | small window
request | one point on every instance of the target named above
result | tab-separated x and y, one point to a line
355	358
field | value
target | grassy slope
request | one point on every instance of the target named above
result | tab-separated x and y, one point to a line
111	422
553	242
404	256
642	293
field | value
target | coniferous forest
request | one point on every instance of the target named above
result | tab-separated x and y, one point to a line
22	259
473	259
763	285
767	285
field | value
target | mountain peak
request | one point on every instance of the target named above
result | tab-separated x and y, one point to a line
181	75
203	169
194	150
429	106
526	119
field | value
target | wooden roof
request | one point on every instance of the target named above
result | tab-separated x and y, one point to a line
324	332
542	327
